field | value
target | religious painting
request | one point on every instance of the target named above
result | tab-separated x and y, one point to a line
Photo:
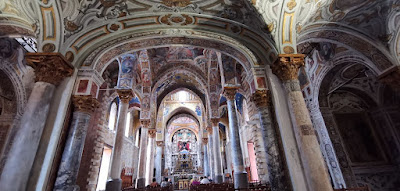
146	90
183	145
93	90
326	51
145	65
261	83
198	110
125	83
229	66
146	103
83	85
303	79
127	64
146	79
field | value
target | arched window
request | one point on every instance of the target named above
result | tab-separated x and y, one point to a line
127	124
113	116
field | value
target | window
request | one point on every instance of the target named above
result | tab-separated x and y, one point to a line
127	124
104	168
113	116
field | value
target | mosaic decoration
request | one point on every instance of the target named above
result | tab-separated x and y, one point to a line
128	66
239	102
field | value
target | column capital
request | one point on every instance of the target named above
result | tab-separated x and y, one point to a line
152	133
391	78
214	121
209	130
261	98
287	66
49	67
160	143
125	95
145	123
205	140
230	92
85	103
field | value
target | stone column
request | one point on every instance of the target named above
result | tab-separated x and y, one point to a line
219	178
141	179
50	70
211	152
158	161
206	164
152	136
115	182
327	149
72	154
287	69
276	172
240	174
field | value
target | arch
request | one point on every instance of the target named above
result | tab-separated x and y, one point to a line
340	59
379	59
174	71
179	115
177	129
182	110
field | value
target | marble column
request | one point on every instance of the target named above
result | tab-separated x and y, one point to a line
287	69
158	161
211	152
240	174
141	179
219	178
50	70
206	164
278	179
115	182
152	137
327	149
67	174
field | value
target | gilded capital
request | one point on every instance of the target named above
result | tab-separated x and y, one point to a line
209	130
392	78
49	67
152	133
287	66
160	143
85	103
125	95
205	140
230	92
145	123
214	121
261	98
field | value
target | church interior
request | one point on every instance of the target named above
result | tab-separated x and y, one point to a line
280	95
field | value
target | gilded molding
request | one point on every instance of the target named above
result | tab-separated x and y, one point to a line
49	67
209	130
145	123
261	98
230	92
214	121
205	141
85	103
160	143
152	133
125	95
287	66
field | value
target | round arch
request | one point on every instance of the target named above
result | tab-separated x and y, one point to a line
179	115
378	58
